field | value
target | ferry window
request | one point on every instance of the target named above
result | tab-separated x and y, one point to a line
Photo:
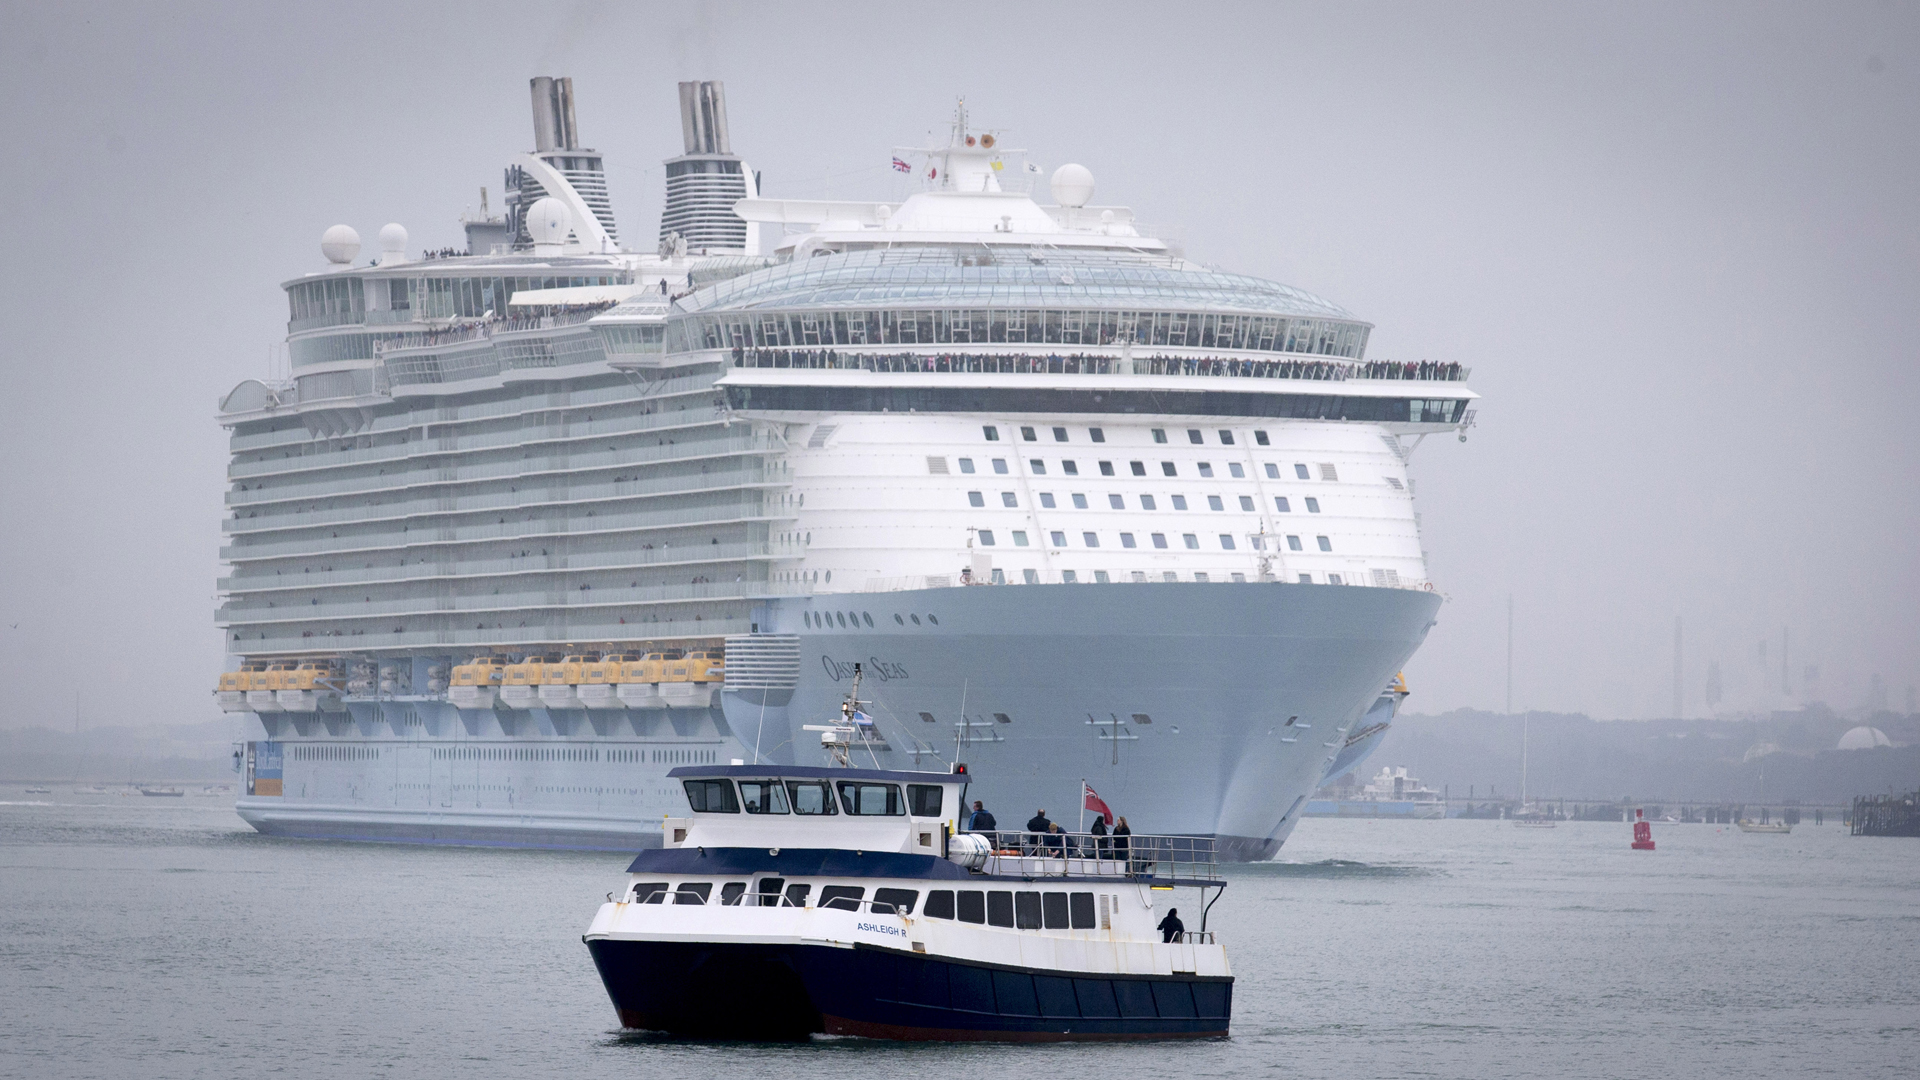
1273	471
1333	579
1246	503
1213	503
1116	502
1226	541
1192	541
712	797
797	894
1069	577
1160	540
1139	468
1193	436
999	576
1206	469
1179	502
647	891
1092	540
1226	437
1030	576
1000	908
1300	471
972	905
770	891
1325	544
1293	543
1027	434
1097	434
871	800
810	797
693	892
986	537
1019	538
1100	577
1280	504
1146	502
1306	579
1159	435
1026	910
939	904
992	433
1167	469
925	798
1053	910
1059	434
1199	576
899	900
1170	576
1059	538
731	892
1234	468
763	796
966	464
975	498
844	897
1046	500
1080	911
1069	467
1313	505
1079	501
1126	540
1106	468
1037	467
1000	466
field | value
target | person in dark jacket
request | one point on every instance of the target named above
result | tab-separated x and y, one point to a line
982	820
1038	826
1171	927
1099	832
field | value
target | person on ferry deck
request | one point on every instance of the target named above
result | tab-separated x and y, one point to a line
1171	927
1099	832
1040	827
1056	838
982	819
1120	833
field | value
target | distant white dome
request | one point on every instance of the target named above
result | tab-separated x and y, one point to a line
340	244
1863	738
1072	185
393	240
548	221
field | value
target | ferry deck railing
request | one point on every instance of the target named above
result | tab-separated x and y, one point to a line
1079	854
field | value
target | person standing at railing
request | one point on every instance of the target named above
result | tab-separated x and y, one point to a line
1171	927
1121	832
1037	828
981	820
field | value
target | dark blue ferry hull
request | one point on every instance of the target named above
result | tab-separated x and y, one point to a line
790	991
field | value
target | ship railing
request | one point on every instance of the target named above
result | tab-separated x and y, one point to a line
662	895
1196	937
1056	362
1081	854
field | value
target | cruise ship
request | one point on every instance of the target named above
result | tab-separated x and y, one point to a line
535	521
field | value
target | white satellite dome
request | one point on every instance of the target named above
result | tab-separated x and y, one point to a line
1863	738
1072	185
548	221
393	243
340	244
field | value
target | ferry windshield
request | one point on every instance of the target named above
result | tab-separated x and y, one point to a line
712	797
763	796
871	800
811	798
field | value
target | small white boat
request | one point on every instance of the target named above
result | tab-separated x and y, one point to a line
1769	827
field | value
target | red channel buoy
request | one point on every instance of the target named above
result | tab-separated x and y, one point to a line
1642	831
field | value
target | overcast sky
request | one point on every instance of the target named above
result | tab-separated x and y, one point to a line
1677	245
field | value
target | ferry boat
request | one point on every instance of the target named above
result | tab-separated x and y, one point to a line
1081	506
789	901
1390	793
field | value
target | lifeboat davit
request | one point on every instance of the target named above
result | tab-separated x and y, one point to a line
232	694
520	687
476	683
263	691
313	686
560	683
639	685
599	685
688	683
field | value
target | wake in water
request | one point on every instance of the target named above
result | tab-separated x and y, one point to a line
1330	868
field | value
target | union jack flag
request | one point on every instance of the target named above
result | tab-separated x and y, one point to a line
901	166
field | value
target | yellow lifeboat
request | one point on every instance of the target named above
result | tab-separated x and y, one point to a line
263	691
312	686
688	683
476	683
599	681
520	686
234	685
559	683
639	686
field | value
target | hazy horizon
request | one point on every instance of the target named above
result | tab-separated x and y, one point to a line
1677	245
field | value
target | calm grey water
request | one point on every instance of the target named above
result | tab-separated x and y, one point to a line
162	938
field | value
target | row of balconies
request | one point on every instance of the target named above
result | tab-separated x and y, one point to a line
692	555
523	638
237	614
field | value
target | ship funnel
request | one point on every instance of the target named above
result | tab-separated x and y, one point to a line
553	125
703	117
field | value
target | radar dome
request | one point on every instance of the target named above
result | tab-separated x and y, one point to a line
393	242
340	244
1863	738
1072	185
548	221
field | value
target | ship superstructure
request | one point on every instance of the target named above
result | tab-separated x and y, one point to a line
546	520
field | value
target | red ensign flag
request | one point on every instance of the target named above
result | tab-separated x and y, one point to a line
1096	804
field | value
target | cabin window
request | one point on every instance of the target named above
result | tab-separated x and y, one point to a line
1159	540
1260	437
1000	908
1206	469
900	900
871	800
1000	466
976	498
1293	543
1053	910
1159	435
1117	502
1007	498
1179	502
731	892
1069	467
1273	471
797	894
1325	544
1080	910
940	904
1213	503
992	433
1138	468
1028	434
649	892
1026	910
693	892
1167	469
1146	503
925	798
1037	467
966	464
1234	469
1246	503
711	797
1300	471
1046	500
1194	437
844	897
972	905
1106	468
1313	505
763	796
1059	434
810	798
